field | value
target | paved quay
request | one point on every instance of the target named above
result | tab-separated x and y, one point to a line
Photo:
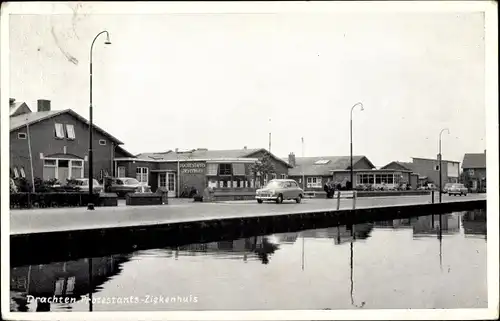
66	219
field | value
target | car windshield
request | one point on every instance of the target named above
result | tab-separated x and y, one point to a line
275	184
130	181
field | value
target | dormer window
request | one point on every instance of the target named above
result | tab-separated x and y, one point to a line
59	130
102	142
322	162
21	136
70	131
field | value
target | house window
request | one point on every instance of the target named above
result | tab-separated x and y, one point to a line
283	176
22	135
16	172
212	169
22	172
102	142
121	171
314	182
471	171
49	169
70	131
274	176
59	130
141	174
76	169
225	169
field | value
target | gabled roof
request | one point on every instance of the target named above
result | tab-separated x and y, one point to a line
474	160
308	165
406	165
204	154
16	107
22	120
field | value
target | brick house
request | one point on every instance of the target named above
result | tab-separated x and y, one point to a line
474	171
408	174
51	144
225	170
426	170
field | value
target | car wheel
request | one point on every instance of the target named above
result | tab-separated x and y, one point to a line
298	199
449	194
259	201
279	200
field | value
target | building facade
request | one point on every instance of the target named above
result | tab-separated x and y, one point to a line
474	171
312	173
225	170
53	144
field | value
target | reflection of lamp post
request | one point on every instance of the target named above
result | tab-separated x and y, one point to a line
440	163
90	205
440	238
352	108
353	235
303	253
90	284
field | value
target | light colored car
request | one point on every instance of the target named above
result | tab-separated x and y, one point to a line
457	189
83	185
279	190
124	185
447	186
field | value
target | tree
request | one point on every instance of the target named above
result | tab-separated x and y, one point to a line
264	166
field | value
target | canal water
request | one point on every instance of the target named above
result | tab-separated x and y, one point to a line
435	261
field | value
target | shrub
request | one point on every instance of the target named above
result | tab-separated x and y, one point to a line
51	199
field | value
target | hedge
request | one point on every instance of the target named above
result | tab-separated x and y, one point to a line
52	199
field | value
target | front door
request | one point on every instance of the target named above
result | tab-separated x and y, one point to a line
167	180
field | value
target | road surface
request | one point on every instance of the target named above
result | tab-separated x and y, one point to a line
64	219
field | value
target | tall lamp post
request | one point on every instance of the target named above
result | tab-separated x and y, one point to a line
440	167
352	108
91	165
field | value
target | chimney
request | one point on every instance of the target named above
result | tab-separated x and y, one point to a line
244	147
43	105
291	159
485	152
12	101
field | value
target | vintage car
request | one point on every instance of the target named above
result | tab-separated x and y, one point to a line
82	184
279	190
457	189
124	185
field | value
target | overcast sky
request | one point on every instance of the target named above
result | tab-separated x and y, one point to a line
214	80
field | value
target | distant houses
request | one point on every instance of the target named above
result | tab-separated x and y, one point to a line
474	171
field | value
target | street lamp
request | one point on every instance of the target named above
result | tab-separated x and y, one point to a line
440	163
360	104
91	165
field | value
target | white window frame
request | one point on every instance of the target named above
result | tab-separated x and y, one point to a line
283	176
471	171
102	142
22	172
118	172
22	136
16	172
71	166
314	182
141	173
59	130
70	131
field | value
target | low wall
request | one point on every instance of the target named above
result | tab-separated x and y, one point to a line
231	194
32	248
348	194
144	199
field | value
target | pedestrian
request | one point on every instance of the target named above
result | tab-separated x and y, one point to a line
326	188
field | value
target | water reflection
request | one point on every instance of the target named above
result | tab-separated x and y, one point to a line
61	282
77	279
474	223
